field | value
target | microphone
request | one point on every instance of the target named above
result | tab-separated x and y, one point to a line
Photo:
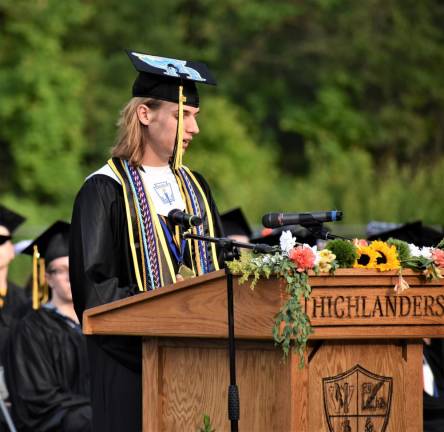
275	220
178	217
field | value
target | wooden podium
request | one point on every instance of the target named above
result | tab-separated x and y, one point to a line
363	368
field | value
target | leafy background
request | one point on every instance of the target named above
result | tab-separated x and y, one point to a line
321	104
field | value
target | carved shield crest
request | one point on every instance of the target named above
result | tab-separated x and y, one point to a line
357	401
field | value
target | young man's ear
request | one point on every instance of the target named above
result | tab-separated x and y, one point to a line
144	114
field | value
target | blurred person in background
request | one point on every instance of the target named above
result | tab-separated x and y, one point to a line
46	366
236	226
12	297
13	300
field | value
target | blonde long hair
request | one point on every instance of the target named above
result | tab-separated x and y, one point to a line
130	143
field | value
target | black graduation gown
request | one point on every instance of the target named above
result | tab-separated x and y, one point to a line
14	307
101	271
47	374
434	406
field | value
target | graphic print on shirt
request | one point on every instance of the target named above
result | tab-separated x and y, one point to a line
164	191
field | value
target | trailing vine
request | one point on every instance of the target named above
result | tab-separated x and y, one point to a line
292	326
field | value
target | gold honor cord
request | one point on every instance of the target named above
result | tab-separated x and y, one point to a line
130	227
210	217
35	278
161	237
189	209
177	163
195	242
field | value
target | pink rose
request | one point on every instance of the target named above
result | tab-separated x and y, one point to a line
438	257
360	242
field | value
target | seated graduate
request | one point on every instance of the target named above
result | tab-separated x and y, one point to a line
46	365
236	226
122	241
12	298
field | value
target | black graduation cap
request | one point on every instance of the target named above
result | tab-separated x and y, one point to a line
52	243
235	223
412	232
160	77
10	219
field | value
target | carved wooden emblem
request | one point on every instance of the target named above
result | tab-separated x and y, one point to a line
357	401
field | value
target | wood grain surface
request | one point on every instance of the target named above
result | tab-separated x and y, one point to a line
197	308
192	380
185	363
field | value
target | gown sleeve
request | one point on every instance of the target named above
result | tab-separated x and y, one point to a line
38	399
97	245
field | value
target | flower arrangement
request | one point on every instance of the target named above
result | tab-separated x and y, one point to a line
292	262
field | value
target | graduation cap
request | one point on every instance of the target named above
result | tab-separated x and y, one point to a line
160	77
10	219
48	246
235	223
170	80
412	232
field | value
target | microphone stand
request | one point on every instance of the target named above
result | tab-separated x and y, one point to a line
229	248
318	231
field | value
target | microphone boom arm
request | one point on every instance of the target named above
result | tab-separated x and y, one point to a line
226	243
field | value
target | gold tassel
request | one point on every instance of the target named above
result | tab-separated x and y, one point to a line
35	280
44	295
177	163
40	290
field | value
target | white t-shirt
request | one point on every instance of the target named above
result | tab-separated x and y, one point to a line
162	186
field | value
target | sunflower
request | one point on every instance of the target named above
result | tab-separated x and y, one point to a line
387	256
366	257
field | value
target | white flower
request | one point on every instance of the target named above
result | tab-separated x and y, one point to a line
425	252
317	255
414	250
287	242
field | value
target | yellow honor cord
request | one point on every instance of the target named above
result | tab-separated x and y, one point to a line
209	216
130	227
35	278
177	163
161	238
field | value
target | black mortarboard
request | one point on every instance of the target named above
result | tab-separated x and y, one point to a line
10	219
412	232
235	223
52	243
160	77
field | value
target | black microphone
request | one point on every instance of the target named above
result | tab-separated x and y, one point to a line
178	217
275	220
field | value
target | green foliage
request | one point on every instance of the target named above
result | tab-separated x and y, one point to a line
40	111
344	250
402	248
206	425
354	183
292	326
346	113
230	159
